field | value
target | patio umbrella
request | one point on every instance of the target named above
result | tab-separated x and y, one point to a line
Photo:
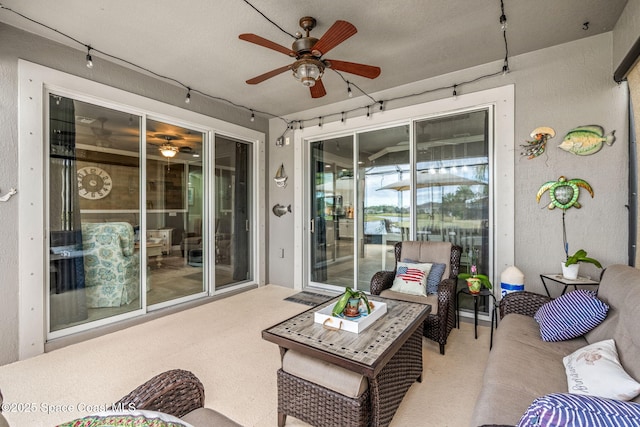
425	179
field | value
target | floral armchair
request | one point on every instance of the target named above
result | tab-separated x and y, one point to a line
111	264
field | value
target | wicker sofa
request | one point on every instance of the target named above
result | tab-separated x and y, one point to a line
523	367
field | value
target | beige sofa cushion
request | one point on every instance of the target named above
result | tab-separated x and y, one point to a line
620	289
429	299
333	377
521	368
205	417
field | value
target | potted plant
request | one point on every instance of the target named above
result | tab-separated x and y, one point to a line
475	281
349	304
572	264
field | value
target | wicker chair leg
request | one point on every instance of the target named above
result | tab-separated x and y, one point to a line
442	349
282	419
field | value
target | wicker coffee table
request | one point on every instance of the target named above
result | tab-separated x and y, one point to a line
388	353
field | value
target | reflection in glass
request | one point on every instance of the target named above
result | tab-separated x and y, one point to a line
175	248
94	266
333	207
384	180
233	244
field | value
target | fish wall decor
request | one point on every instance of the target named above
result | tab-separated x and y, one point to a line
586	140
279	210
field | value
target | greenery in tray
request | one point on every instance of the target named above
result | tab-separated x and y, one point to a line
350	294
581	256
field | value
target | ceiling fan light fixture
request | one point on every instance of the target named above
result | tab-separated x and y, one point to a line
308	71
168	150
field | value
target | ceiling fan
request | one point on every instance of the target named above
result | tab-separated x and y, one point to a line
309	54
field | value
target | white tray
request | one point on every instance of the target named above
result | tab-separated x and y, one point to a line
357	325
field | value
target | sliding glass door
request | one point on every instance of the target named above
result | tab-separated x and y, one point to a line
143	213
175	237
427	179
233	212
333	209
94	213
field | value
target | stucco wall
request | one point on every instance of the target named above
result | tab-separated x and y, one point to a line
19	44
562	87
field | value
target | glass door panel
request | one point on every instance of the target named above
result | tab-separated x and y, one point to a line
174	239
94	210
233	214
333	212
384	187
452	179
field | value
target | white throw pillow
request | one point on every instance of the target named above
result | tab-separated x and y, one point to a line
411	278
595	370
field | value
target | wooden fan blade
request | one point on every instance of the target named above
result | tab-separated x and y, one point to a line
261	41
268	75
368	71
318	90
336	34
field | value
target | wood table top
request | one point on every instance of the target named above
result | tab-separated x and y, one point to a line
366	352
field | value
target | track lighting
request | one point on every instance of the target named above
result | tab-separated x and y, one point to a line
88	57
349	92
253	116
368	112
187	99
319	122
301	125
381	105
455	92
343	119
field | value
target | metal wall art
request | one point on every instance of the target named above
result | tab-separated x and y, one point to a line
280	178
7	196
279	210
564	193
586	140
536	147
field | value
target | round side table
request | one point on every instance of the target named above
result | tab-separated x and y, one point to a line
483	292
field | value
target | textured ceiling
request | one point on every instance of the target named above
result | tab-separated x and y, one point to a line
196	42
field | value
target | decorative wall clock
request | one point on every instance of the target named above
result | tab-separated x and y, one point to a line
94	183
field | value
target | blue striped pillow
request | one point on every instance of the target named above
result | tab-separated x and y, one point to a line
570	315
562	409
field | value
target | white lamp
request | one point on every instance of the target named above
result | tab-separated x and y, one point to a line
307	71
168	150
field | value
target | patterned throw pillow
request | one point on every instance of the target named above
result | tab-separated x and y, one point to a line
411	278
435	277
137	418
560	409
570	315
595	370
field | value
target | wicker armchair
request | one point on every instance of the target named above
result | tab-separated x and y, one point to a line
438	325
522	302
176	392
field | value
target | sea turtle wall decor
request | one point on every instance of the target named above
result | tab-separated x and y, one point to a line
540	137
586	140
564	193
